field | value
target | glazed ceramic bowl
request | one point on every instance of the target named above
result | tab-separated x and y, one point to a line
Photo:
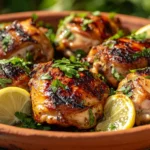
28	139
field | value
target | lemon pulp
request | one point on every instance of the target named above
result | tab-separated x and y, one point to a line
13	99
119	114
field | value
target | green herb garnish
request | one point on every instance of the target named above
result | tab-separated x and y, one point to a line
50	34
109	43
82	15
112	126
119	34
7	40
85	23
4	82
80	53
29	56
28	122
112	15
91	117
70	67
56	84
34	17
112	91
127	90
138	37
17	62
116	75
46	76
142	53
96	13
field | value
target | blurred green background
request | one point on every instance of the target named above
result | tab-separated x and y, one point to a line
133	7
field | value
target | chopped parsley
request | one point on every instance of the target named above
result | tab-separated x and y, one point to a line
112	126
66	20
112	91
91	117
68	34
56	84
135	70
4	82
17	62
138	37
142	53
116	75
119	34
50	34
127	90
109	43
28	122
112	15
82	15
79	53
46	76
96	13
34	17
29	56
85	23
7	40
70	67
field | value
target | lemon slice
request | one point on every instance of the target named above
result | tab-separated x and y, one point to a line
13	99
145	29
119	114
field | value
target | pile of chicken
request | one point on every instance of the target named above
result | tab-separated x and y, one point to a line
73	92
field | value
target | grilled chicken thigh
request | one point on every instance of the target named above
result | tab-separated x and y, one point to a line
82	31
61	98
24	39
114	58
14	72
137	86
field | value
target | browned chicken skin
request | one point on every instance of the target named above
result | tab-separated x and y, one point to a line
83	32
75	102
137	87
13	74
114	58
21	38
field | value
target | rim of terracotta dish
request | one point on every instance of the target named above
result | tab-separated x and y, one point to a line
62	134
7	129
48	13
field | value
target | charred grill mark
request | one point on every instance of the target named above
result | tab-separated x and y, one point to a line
87	83
72	100
124	49
11	71
121	55
19	30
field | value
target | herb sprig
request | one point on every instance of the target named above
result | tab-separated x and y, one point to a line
91	117
17	62
142	53
127	90
138	37
4	82
71	68
7	40
116	74
28	122
56	84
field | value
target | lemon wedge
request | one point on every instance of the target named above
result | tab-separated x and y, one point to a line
144	29
119	114
13	99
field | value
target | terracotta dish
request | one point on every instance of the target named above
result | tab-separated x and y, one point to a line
28	139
